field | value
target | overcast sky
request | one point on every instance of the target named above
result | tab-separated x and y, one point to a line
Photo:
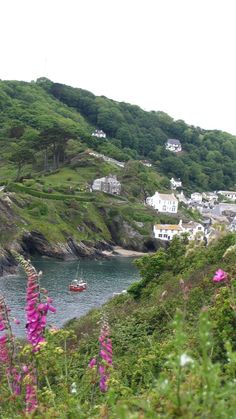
177	56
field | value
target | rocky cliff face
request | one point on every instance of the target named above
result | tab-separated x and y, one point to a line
128	237
16	234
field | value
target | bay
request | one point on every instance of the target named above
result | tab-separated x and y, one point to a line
104	277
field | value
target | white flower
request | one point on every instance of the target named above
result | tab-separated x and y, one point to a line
185	360
73	388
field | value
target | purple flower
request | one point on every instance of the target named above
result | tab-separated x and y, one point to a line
220	275
92	363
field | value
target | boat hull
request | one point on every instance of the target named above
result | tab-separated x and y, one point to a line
77	288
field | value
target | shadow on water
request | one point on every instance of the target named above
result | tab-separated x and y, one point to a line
103	278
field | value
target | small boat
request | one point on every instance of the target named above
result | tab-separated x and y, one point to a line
77	286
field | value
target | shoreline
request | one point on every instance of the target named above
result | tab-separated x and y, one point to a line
120	251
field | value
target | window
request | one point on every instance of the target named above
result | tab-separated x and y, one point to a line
165	235
159	235
199	228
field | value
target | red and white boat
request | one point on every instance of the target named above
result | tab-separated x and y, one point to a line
77	286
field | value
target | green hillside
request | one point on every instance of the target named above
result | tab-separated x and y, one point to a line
44	124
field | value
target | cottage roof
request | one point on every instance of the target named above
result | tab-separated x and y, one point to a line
168	227
167	197
173	141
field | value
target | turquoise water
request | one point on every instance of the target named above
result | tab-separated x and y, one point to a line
103	278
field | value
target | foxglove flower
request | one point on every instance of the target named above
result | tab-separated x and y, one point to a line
36	308
220	276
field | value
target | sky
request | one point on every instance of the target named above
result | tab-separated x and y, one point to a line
176	56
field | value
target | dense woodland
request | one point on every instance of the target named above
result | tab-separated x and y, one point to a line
43	124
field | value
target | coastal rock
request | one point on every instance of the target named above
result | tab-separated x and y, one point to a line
128	237
8	264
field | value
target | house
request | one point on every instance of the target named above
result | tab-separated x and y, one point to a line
211	197
222	208
193	229
173	145
108	184
163	202
146	163
196	197
168	231
99	133
182	198
175	183
228	194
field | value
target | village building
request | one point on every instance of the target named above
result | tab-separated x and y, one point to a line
108	184
182	198
210	196
223	208
163	202
173	145
228	194
99	133
193	229
146	163
196	197
175	183
166	232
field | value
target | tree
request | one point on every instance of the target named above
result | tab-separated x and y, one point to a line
21	156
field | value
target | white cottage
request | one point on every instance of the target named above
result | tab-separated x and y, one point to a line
168	231
175	183
173	145
228	194
99	133
108	184
196	197
195	230
163	202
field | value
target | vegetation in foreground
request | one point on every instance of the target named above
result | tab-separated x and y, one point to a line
166	349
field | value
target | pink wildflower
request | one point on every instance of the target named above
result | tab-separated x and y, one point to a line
220	275
36	309
92	363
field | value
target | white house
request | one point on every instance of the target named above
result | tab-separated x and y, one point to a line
173	145
99	133
182	198
163	202
108	184
146	163
168	231
195	230
228	194
175	183
196	197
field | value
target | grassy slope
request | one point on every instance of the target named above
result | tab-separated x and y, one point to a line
145	338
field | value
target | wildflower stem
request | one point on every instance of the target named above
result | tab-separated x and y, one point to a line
50	388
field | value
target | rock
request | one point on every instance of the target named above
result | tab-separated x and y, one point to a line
8	264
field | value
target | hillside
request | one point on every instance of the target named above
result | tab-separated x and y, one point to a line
169	350
56	121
